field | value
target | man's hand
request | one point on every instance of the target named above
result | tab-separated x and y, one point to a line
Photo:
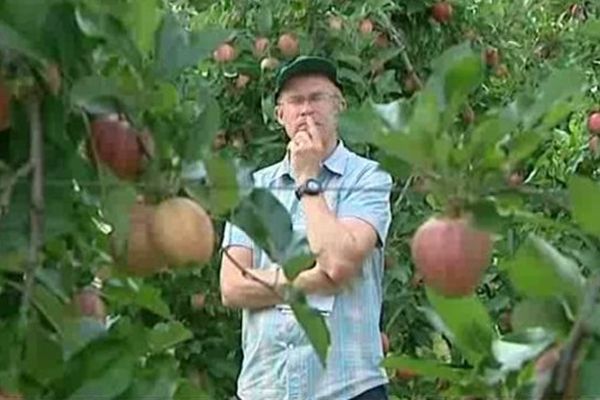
306	152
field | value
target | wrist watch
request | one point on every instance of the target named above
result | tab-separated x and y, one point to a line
311	187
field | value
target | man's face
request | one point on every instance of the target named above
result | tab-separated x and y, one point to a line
310	95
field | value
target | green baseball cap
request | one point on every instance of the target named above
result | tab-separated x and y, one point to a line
305	65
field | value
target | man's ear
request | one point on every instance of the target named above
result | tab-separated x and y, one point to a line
278	113
342	104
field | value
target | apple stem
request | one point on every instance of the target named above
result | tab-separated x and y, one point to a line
564	372
36	161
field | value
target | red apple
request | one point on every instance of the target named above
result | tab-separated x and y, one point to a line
442	12
593	123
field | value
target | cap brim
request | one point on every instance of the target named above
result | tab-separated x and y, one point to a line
309	65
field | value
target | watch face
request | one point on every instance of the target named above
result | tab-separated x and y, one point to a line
313	186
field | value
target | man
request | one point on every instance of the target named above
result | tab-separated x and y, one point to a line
340	201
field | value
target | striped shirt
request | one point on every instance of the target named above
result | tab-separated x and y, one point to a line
279	362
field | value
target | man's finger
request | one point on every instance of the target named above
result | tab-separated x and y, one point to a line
312	128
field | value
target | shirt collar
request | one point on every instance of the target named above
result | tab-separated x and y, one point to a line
336	162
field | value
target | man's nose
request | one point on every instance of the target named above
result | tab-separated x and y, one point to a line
306	108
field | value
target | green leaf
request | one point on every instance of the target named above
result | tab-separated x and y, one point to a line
50	306
264	19
426	368
163	98
78	333
14	241
560	88
458	71
111	381
543	313
394	114
143	19
315	328
537	261
512	351
584	197
362	125
26	16
43	357
266	221
116	207
188	390
523	144
468	321
98	94
177	49
425	119
594	321
486	136
166	335
224	187
588	382
591	28
204	129
387	83
298	259
10	39
110	28
486	216
157	380
126	292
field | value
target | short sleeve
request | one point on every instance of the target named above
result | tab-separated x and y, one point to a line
368	198
234	236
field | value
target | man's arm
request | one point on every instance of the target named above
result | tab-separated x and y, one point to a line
340	244
239	291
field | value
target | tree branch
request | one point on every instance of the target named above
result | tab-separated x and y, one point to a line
559	386
398	37
10	185
36	159
247	273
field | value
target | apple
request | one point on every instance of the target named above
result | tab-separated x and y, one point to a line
442	12
241	81
492	56
288	44
366	26
120	147
182	231
261	44
224	53
593	123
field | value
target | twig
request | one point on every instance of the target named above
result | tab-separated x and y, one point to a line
246	272
36	159
22	172
403	192
397	37
558	386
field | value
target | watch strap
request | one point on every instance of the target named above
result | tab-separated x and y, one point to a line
310	187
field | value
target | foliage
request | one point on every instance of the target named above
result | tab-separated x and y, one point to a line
411	84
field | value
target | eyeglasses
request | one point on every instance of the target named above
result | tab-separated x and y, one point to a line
316	99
